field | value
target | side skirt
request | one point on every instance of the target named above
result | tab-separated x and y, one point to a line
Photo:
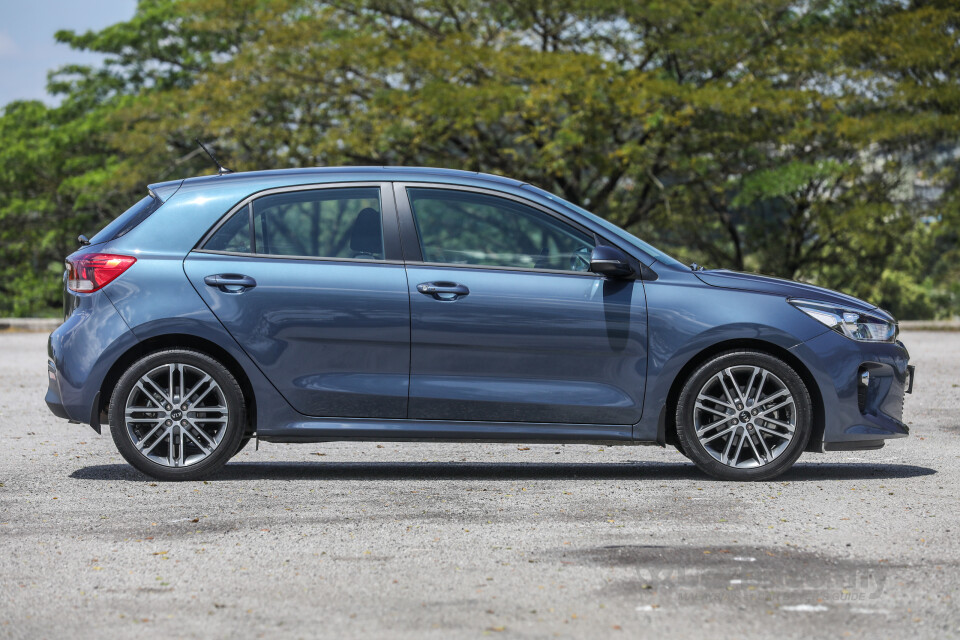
333	430
312	439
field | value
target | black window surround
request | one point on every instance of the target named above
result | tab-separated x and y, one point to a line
477	229
400	238
410	238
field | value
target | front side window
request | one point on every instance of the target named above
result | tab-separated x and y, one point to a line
461	227
326	223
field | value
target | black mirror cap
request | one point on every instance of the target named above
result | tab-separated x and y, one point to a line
610	262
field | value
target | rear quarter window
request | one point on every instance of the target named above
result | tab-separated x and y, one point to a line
127	220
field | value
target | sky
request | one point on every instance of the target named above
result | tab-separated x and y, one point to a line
28	50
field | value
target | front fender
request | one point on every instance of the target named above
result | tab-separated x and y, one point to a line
687	317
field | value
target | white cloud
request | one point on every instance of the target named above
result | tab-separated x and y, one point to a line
8	48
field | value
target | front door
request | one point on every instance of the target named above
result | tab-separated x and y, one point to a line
507	324
304	280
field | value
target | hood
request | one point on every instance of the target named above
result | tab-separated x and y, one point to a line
778	286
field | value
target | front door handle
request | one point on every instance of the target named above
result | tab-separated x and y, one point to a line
230	282
443	290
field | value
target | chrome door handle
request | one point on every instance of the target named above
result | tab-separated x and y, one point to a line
443	290
230	282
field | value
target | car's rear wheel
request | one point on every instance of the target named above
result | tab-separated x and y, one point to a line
744	415
177	415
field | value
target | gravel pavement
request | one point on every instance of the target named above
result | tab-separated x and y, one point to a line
450	540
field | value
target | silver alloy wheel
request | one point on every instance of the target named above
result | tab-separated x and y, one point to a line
745	416
176	415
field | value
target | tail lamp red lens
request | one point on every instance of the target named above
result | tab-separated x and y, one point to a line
94	271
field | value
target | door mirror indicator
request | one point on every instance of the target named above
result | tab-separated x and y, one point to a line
610	262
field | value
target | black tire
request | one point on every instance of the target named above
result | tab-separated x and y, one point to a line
243	442
232	435
697	451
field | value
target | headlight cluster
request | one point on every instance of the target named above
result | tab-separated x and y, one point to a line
856	325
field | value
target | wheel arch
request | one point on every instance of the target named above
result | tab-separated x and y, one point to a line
668	422
176	341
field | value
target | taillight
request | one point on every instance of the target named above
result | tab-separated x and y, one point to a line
94	271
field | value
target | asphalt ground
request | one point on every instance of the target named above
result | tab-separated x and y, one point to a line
450	540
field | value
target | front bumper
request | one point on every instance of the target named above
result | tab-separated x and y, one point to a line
859	411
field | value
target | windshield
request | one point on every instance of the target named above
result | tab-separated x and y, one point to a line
127	220
650	250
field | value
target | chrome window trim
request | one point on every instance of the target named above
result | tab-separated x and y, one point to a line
488	267
274	256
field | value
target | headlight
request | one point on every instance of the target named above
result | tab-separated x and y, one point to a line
856	325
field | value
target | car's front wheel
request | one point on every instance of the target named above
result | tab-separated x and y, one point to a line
243	442
177	415
744	415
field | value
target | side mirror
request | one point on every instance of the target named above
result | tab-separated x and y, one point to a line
610	262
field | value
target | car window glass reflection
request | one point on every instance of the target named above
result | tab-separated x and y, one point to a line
460	227
326	223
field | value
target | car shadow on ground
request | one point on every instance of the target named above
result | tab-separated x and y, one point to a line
506	471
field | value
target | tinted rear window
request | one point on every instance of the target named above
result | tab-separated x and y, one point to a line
323	223
127	220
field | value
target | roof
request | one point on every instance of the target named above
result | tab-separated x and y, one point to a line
374	173
284	177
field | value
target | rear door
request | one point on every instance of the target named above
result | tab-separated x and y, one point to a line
507	323
311	284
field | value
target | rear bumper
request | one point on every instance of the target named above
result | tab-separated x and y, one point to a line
80	353
862	386
54	403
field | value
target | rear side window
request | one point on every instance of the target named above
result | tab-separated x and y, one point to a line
127	220
326	223
234	235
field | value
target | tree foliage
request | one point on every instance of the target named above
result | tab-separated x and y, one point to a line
778	136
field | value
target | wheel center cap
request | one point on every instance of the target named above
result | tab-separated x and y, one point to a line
744	416
176	414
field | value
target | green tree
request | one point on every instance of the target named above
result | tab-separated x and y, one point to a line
776	136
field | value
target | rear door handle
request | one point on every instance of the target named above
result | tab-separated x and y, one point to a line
443	290
230	282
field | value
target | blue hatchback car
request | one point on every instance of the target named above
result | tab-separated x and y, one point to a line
415	304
